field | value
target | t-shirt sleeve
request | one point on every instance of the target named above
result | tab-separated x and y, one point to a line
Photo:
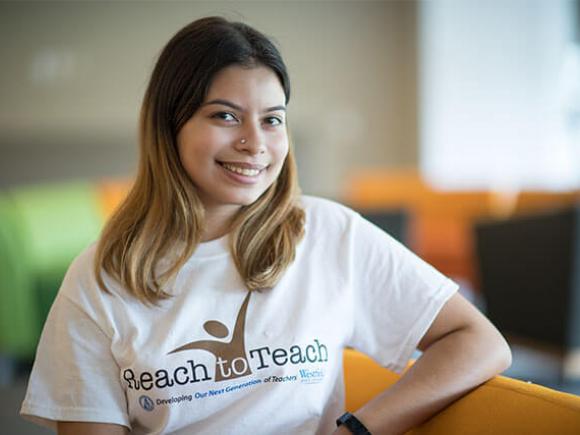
395	296
74	377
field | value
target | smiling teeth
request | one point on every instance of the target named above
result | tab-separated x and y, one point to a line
241	171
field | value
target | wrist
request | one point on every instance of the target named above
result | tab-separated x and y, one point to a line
351	424
342	430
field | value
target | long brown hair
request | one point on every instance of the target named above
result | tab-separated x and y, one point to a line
163	211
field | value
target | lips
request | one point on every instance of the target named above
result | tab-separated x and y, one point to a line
243	169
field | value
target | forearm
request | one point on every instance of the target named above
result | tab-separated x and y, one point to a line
75	428
447	370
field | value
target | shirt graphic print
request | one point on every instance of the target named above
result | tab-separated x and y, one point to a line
231	360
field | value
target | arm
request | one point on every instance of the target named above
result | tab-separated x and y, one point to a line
461	350
75	428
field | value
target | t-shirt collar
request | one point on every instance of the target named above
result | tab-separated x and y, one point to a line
212	248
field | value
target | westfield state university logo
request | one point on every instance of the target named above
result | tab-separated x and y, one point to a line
231	360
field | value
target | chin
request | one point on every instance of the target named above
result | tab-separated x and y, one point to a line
244	200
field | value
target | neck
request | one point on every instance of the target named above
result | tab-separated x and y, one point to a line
218	222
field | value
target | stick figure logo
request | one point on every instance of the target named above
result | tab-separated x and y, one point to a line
146	403
231	360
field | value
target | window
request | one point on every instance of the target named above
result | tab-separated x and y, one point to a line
499	94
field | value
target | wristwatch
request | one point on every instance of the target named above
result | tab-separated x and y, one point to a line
353	424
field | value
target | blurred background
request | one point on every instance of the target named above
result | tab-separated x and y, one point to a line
452	124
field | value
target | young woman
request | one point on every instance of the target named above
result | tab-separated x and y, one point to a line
218	300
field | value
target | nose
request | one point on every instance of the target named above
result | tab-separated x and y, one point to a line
251	139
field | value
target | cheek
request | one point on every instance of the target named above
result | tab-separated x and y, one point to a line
281	148
281	153
202	146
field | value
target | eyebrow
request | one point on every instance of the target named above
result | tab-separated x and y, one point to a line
239	108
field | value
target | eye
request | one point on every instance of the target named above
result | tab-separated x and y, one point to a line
274	120
224	116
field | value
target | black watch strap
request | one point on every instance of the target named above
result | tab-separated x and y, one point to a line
353	424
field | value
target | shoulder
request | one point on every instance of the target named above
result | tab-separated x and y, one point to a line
80	284
328	223
322	210
81	268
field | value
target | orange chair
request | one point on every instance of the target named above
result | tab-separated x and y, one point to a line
440	228
500	406
111	194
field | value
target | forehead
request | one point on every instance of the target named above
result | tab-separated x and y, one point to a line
256	85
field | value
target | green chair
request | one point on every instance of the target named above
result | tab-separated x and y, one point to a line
42	229
16	288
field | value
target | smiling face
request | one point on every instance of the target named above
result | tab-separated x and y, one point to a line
235	144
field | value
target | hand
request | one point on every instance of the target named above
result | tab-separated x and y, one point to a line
341	430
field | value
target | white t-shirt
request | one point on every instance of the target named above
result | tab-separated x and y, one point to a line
216	359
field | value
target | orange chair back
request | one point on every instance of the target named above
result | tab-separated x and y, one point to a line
501	406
